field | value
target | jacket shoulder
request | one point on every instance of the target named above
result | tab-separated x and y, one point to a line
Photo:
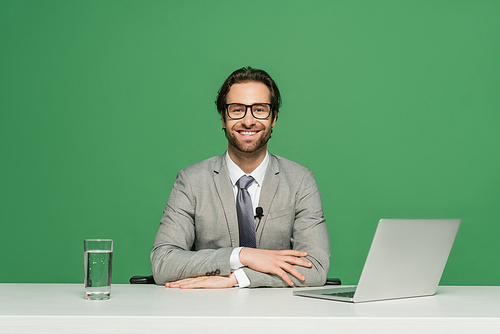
289	166
207	166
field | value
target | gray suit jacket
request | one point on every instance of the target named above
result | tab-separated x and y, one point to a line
201	210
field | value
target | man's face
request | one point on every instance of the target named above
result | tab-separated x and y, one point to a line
248	135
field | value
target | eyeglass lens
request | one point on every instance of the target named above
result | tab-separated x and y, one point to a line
259	111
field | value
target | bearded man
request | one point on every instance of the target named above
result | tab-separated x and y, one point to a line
247	218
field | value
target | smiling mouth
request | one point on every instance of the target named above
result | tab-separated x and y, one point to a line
247	133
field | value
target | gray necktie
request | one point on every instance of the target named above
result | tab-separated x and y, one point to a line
244	209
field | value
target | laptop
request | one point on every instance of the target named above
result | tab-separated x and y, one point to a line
406	259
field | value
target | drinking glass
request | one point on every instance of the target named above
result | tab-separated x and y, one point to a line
98	260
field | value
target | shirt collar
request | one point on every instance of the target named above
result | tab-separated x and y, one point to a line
235	171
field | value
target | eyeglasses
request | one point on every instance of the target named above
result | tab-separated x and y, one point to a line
239	110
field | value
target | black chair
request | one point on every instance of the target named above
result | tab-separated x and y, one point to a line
150	280
142	280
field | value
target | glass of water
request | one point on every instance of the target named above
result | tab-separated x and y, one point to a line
98	260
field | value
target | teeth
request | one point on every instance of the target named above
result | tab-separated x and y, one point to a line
247	133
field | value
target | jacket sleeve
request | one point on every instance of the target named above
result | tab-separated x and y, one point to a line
172	257
309	234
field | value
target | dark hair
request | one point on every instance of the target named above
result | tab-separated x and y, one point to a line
248	74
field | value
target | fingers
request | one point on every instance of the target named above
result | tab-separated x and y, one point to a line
187	283
213	282
289	256
298	262
179	283
291	252
295	273
280	262
285	277
289	269
286	267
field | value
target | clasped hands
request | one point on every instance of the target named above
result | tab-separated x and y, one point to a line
267	261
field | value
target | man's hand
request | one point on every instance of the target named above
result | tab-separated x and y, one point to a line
206	282
275	262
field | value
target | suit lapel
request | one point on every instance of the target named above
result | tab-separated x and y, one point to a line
226	196
269	188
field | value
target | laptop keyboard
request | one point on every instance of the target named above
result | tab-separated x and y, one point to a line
346	294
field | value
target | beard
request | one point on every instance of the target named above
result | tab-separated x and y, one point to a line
251	145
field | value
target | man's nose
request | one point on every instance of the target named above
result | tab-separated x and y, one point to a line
248	120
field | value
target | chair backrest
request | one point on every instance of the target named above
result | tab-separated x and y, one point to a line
142	280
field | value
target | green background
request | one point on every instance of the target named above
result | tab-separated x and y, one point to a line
394	105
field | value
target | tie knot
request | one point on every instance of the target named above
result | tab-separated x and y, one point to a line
244	182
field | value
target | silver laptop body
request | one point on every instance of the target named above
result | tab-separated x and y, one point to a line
406	259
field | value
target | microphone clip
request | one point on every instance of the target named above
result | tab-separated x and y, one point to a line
259	213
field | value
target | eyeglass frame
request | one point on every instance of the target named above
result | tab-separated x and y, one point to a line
251	110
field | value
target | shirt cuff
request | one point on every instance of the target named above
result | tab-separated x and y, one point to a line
234	259
242	278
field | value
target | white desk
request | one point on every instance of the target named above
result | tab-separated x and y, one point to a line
60	308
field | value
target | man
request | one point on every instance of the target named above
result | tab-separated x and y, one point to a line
256	219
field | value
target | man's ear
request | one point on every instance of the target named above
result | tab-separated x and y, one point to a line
223	121
273	123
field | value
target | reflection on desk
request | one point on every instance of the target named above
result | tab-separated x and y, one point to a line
60	308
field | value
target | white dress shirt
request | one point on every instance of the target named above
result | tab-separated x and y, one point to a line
235	173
